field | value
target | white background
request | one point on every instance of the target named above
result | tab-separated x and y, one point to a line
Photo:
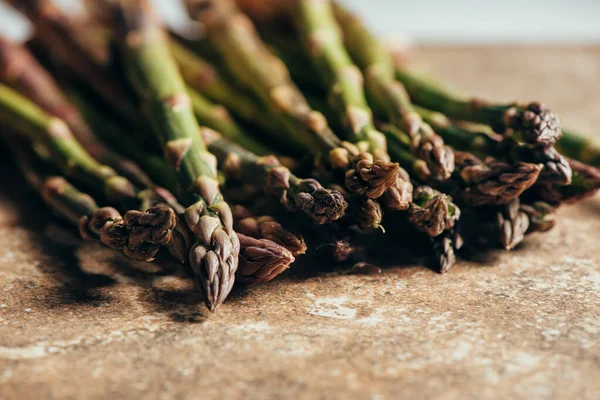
442	21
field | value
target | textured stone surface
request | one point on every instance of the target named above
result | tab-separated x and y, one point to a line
78	322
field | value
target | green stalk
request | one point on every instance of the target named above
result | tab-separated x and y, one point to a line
104	224
158	83
233	36
217	117
388	96
531	123
54	137
20	70
320	33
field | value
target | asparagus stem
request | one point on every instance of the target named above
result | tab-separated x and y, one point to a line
267	227
307	195
217	117
104	224
80	48
389	97
232	34
579	148
319	31
533	123
20	70
556	169
158	84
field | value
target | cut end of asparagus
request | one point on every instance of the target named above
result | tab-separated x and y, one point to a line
535	123
432	212
492	182
512	225
320	204
371	178
261	260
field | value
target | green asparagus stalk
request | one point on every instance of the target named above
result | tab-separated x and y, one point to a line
232	34
20	70
579	148
556	169
156	79
532	123
319	31
53	135
266	227
102	224
78	47
307	195
388	96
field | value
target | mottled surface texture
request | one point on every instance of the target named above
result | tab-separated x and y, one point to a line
79	322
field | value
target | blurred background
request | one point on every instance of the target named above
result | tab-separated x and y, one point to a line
438	21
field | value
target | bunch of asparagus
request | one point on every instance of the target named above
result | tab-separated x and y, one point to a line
181	139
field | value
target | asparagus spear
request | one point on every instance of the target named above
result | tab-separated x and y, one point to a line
233	36
307	195
103	224
388	96
266	227
153	230
319	31
513	223
261	260
556	169
586	182
432	212
579	148
77	47
533	123
158	84
445	247
20	70
542	216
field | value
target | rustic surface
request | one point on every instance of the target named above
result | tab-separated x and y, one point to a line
78	322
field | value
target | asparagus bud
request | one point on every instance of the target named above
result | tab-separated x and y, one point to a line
261	260
432	212
512	224
445	247
491	181
542	216
267	227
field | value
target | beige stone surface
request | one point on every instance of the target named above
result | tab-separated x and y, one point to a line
77	322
